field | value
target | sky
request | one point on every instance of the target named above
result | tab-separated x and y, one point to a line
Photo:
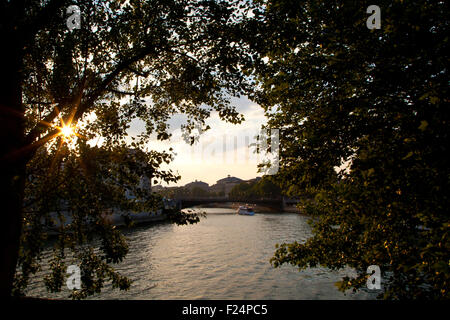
221	151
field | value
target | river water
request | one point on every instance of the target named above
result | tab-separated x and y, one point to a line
224	256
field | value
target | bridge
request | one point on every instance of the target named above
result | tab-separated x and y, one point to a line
278	203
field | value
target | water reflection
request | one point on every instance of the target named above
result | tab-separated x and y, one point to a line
225	256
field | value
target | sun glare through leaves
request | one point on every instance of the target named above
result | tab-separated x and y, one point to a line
67	132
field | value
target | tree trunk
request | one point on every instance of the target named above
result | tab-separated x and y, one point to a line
12	163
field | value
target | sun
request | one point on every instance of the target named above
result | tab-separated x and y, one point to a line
67	132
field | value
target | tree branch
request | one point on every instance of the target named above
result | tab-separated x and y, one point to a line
124	65
43	18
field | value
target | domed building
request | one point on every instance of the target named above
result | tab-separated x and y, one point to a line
225	185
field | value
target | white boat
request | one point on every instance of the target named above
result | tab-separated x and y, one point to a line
245	210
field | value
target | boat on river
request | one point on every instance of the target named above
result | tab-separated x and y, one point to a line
246	210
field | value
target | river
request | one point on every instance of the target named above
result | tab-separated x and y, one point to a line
224	256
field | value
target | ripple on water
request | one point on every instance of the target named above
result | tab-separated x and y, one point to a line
225	256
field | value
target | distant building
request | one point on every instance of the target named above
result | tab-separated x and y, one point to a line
222	188
157	188
253	180
225	185
197	184
229	180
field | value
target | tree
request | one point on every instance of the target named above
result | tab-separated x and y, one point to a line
199	192
261	188
130	59
241	190
363	117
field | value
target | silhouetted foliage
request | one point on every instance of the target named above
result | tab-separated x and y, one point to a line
257	189
364	121
144	60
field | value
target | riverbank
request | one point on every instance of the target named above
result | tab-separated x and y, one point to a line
257	207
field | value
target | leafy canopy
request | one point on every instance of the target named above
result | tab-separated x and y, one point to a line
364	122
260	188
145	60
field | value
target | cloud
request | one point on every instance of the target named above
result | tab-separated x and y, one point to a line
220	151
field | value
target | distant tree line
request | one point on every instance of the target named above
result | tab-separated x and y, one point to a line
256	189
183	192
